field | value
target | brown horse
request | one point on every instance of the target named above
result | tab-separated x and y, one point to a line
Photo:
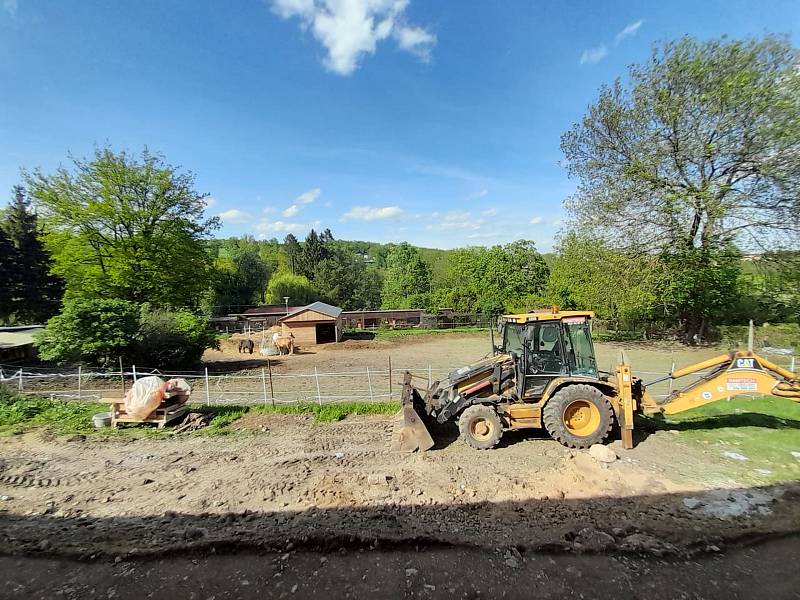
285	342
246	346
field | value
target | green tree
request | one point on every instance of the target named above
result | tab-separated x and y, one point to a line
493	280
292	250
125	227
297	288
406	276
700	285
314	251
10	276
587	274
171	340
37	293
96	331
344	280
697	151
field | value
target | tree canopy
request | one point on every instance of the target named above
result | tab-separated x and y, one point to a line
406	277
31	294
697	151
125	227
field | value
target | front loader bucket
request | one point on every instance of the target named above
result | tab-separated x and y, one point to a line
410	432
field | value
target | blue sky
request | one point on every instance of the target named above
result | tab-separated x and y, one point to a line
386	120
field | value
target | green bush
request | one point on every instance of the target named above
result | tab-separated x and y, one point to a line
169	340
90	331
100	332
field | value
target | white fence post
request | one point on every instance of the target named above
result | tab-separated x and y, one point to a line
133	368
316	379
79	382
208	392
671	380
264	384
20	380
369	381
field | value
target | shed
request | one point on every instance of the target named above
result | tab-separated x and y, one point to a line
317	323
16	343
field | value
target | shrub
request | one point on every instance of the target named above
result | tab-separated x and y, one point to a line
100	332
169	340
90	331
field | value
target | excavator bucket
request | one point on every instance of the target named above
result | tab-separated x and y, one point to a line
410	433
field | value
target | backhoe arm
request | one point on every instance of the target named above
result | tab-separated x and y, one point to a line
733	374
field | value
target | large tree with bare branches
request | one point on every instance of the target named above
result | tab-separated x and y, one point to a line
698	150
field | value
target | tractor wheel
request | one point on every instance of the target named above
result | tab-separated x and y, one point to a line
480	427
578	416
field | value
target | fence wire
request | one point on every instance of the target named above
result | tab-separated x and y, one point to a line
262	386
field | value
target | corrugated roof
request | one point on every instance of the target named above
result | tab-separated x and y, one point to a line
272	309
320	307
18	336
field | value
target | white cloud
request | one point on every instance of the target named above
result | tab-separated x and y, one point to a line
477	195
210	201
536	220
372	213
309	196
269	209
274	226
350	29
416	40
457	220
594	55
10	6
629	30
328	204
490	212
234	215
291	211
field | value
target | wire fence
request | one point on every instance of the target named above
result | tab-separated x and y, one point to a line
252	386
263	386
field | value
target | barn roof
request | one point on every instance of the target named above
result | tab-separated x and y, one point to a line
320	307
12	337
271	309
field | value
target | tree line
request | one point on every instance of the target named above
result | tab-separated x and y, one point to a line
682	169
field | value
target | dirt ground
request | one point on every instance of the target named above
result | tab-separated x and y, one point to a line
286	479
766	570
439	353
256	511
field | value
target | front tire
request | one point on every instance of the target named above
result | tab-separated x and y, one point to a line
578	416
480	427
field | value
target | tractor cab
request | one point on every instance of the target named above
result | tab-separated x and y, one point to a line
546	345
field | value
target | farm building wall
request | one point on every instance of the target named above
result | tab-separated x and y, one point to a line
305	333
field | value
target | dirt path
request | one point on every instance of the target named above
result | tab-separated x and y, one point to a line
762	571
337	484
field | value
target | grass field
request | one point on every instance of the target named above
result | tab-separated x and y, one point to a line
764	431
24	413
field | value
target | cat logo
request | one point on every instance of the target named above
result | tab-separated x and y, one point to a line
746	363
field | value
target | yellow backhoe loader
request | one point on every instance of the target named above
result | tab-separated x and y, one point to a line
543	374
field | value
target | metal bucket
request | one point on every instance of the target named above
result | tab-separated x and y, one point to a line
101	420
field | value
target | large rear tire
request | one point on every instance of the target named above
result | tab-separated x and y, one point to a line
578	416
480	427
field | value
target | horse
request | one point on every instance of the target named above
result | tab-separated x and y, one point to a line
284	342
246	346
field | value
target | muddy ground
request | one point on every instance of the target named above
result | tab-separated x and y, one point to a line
286	482
765	570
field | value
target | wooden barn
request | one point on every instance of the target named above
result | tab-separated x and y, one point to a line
317	323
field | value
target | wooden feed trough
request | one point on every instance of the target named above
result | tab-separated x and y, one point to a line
161	416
